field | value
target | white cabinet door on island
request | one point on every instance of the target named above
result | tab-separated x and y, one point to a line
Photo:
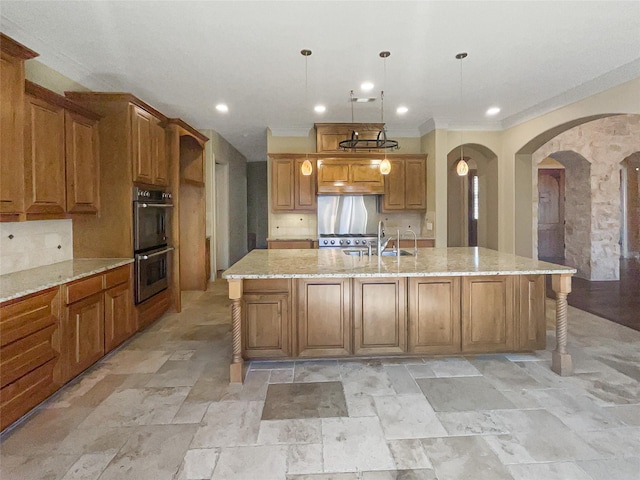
446	301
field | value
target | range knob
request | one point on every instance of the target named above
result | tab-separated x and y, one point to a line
166	196
326	242
333	242
357	242
348	242
341	242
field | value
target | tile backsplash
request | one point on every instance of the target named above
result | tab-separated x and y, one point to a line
31	244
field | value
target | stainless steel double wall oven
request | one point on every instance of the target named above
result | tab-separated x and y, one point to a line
151	219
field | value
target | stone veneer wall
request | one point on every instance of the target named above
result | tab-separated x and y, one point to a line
604	143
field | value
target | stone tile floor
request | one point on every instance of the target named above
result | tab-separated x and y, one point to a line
161	407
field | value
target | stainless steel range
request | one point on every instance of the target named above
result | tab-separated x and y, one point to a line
347	221
346	240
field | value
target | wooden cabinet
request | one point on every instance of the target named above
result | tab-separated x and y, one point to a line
290	189
434	315
286	244
160	161
44	156
61	164
329	135
323	317
119	323
379	315
149	152
82	164
97	318
488	314
27	353
530	329
266	319
405	185
141	154
82	330
350	175
12	57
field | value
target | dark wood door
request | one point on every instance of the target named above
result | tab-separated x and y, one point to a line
551	214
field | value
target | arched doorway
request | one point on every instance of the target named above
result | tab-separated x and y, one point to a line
472	200
572	178
630	206
551	221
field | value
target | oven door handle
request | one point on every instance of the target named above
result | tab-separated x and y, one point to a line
154	205
161	252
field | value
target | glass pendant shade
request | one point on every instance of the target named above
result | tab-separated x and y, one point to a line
462	167
385	167
306	168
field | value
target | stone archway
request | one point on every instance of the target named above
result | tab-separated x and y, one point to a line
603	143
485	162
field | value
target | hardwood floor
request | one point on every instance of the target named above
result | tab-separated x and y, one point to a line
618	301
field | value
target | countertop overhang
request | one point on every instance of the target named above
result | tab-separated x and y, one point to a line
25	282
430	262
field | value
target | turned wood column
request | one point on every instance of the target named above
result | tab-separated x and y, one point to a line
561	359
235	294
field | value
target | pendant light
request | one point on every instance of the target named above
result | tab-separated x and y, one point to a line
307	168
462	167
385	165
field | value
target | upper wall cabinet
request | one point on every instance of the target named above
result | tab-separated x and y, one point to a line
291	191
149	155
405	185
329	135
61	167
12	57
350	175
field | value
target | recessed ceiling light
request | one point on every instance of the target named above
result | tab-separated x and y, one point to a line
221	107
493	111
402	110
366	86
320	108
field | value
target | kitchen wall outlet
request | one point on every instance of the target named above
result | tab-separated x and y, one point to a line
429	225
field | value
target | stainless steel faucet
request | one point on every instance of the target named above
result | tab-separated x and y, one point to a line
382	241
415	242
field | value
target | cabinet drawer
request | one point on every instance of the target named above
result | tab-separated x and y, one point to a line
25	393
266	285
24	317
116	276
82	288
27	354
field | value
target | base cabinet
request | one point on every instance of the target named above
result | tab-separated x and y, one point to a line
530	329
27	353
118	319
84	333
488	314
434	315
323	317
364	316
379	315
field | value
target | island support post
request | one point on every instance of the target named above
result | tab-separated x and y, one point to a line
237	363
560	358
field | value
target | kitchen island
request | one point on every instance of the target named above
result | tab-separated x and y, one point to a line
443	301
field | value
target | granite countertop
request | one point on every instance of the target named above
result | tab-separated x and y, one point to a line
19	284
430	262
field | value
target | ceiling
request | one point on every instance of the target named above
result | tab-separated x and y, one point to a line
183	57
